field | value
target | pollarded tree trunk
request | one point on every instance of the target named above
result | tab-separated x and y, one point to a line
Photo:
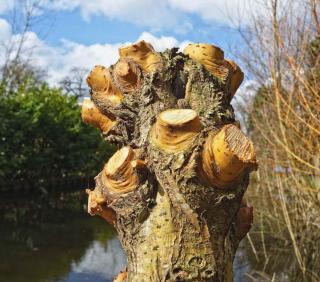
174	189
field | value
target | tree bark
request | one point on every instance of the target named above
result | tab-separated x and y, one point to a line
174	190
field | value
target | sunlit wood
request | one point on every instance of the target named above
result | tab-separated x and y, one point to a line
236	78
143	54
202	52
175	129
97	206
225	156
91	115
212	58
127	75
118	174
100	82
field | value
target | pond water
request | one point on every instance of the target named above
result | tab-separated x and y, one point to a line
65	246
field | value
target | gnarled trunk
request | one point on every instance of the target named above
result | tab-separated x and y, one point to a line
174	190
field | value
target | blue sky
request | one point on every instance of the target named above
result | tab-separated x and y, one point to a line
99	29
83	33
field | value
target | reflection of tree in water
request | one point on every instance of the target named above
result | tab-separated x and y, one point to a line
38	208
41	240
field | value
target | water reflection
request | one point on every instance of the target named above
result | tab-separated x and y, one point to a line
56	242
99	263
53	239
85	249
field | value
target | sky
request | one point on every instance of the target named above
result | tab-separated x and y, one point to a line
84	33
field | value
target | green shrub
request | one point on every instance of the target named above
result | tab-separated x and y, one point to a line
42	137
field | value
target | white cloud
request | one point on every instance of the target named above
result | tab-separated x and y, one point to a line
5	36
6	5
164	14
173	15
71	54
243	100
5	30
59	61
160	44
154	15
229	12
74	55
106	261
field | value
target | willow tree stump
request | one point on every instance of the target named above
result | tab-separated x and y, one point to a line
174	189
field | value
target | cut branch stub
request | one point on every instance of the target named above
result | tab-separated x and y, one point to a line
225	156
143	54
119	175
212	57
175	129
91	115
97	206
236	78
202	52
100	82
127	75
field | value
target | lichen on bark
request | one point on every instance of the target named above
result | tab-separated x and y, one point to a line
179	218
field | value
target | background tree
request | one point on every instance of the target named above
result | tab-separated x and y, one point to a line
283	59
39	141
38	146
24	17
75	83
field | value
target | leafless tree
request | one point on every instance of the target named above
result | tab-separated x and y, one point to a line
75	83
282	47
24	16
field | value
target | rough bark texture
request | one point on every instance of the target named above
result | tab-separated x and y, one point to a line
174	224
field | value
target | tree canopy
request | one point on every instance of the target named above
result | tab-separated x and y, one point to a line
42	136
